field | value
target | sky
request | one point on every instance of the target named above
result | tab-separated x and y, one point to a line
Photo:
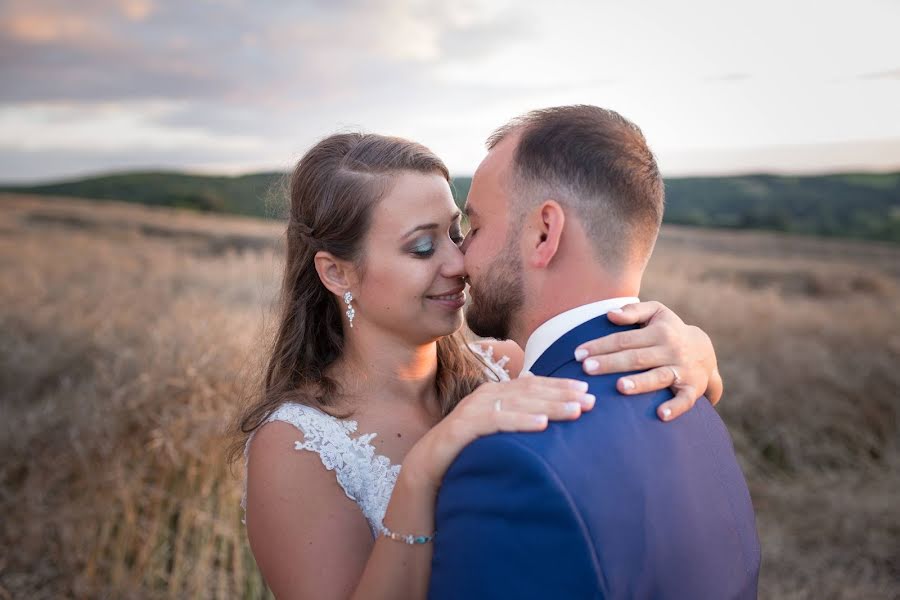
230	86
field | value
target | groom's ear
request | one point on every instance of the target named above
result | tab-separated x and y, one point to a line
549	220
336	275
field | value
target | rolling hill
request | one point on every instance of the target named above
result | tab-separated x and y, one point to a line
854	205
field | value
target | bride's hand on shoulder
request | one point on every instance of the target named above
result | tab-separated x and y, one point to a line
670	353
523	404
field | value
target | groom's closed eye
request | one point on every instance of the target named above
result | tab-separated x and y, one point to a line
456	235
468	238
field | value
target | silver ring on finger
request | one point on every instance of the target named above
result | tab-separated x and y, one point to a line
675	373
498	404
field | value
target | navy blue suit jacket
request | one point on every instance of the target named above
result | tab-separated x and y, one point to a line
614	505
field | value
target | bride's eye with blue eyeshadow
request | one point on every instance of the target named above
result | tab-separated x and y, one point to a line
423	248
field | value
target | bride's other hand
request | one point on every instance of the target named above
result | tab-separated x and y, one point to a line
523	404
671	354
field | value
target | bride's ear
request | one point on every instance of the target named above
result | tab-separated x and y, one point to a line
336	275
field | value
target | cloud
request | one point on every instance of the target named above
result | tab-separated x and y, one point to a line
231	52
38	29
55	53
21	167
727	78
106	126
136	10
43	21
263	80
216	75
856	156
891	74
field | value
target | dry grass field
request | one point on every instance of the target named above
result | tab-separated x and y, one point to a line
128	335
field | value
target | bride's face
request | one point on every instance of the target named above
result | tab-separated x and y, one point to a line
413	280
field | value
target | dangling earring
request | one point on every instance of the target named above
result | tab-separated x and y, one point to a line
348	298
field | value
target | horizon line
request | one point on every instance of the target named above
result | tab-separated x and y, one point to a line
157	170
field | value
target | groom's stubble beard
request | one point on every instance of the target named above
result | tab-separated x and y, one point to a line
498	296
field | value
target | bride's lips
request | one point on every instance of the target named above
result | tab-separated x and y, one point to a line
452	299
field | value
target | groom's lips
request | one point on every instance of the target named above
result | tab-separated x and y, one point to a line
452	299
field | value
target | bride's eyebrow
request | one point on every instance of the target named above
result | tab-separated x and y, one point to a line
426	226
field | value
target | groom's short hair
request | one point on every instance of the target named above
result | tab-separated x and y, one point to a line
596	162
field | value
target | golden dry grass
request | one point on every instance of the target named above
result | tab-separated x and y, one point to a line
128	334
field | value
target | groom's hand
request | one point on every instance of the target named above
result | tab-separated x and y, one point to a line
671	354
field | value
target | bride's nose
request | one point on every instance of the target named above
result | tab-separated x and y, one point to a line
453	264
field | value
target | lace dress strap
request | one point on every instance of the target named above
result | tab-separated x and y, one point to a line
323	434
494	368
365	477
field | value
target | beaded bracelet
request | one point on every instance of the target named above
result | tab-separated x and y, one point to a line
406	539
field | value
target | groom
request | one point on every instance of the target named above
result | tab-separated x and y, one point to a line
564	212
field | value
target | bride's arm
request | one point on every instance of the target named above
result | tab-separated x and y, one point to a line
311	541
663	343
399	570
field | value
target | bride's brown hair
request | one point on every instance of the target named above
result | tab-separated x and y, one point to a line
333	191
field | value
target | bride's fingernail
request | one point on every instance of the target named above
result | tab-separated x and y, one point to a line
628	384
667	413
580	386
581	354
588	401
616	310
540	419
591	365
572	407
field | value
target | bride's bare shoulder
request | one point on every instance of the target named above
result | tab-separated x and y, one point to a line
499	349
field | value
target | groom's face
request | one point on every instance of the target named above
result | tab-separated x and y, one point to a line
491	248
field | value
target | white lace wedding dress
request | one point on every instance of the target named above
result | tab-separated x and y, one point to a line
367	478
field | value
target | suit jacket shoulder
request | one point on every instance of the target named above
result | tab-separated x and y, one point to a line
507	528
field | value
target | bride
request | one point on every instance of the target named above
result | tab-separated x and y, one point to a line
369	370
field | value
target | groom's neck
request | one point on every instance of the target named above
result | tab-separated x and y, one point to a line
551	293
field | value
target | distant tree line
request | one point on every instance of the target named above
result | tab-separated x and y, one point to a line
845	205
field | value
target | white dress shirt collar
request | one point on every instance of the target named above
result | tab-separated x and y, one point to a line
544	336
